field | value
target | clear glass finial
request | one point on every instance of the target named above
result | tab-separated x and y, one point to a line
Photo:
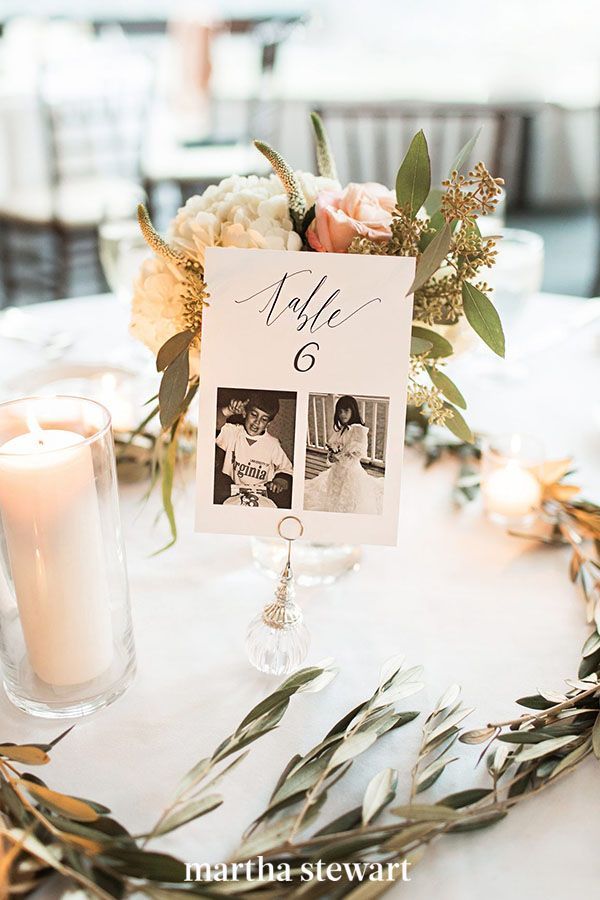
278	640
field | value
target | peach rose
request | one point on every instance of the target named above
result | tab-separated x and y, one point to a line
360	210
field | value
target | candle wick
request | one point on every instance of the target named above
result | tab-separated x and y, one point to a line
40	442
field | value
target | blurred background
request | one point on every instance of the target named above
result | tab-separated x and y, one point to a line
103	104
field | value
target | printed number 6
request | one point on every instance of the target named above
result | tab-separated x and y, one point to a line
303	354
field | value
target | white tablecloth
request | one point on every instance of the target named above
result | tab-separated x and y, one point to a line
494	613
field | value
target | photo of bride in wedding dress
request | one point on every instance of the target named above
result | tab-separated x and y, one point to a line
342	474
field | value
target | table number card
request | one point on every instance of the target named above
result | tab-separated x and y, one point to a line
303	382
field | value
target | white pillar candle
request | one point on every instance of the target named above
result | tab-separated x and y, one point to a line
511	491
49	508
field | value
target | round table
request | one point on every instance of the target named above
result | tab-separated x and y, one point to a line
473	605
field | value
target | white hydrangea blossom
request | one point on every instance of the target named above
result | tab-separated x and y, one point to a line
247	212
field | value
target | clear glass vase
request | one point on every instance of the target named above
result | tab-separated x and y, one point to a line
313	563
66	640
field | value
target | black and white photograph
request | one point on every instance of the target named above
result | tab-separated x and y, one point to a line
346	440
254	448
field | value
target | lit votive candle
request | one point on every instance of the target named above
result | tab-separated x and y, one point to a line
51	520
511	491
112	394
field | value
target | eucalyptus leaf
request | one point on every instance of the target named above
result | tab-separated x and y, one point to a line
483	317
457	425
446	386
436	224
419	346
168	477
171	349
173	390
432	258
413	180
440	346
465	152
433	202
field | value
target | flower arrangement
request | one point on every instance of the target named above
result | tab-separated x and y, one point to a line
292	210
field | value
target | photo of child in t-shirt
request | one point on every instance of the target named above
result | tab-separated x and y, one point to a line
251	467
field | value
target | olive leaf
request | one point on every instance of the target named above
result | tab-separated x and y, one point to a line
483	318
353	746
414	175
188	813
432	772
145	864
477	735
596	737
465	798
381	790
424	812
544	747
483	821
71	807
24	753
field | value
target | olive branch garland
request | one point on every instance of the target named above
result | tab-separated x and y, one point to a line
447	237
44	832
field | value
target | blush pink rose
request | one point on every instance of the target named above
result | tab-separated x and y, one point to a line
360	210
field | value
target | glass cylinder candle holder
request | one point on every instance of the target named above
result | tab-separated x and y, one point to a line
66	639
511	490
